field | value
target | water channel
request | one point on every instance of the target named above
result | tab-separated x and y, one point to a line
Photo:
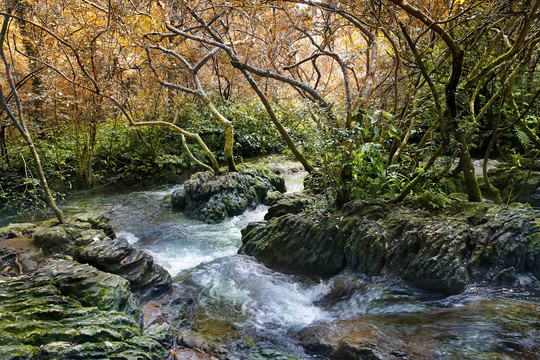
235	293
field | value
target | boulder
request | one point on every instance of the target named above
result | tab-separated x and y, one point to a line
517	184
441	251
23	228
212	198
68	310
117	256
178	199
291	203
96	221
353	340
87	239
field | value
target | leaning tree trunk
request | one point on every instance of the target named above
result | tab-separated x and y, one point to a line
20	123
282	131
48	195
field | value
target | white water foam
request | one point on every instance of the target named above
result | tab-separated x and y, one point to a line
130	237
239	289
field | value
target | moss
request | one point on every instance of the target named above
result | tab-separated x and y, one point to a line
19	352
459	196
430	201
475	213
450	185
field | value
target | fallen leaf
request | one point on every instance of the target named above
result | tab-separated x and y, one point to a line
123	261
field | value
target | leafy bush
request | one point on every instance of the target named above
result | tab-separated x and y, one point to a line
371	177
354	163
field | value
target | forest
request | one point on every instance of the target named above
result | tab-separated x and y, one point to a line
269	180
381	97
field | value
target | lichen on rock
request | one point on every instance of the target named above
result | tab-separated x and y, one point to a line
80	296
212	198
441	251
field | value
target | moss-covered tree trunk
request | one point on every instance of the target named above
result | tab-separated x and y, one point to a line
229	132
20	123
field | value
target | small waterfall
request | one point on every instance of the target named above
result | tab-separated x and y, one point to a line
259	302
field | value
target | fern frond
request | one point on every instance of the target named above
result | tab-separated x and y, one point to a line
524	140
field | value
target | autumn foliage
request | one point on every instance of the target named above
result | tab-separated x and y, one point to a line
388	92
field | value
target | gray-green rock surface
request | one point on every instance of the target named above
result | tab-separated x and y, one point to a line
68	310
87	238
212	198
80	295
439	251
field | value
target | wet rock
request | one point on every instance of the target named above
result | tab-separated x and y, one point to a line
68	310
312	339
344	287
292	243
291	203
195	340
86	240
117	256
178	199
351	350
213	198
352	342
96	221
441	252
272	197
189	354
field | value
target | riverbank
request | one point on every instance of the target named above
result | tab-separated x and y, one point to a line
78	292
438	250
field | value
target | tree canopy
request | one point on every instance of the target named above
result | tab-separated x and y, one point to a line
380	96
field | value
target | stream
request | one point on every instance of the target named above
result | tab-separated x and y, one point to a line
235	293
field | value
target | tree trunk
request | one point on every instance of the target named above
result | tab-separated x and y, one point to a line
20	122
229	133
282	131
48	195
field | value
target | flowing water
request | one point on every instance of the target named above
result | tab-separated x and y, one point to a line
235	293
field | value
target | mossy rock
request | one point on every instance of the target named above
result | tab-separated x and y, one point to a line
430	201
442	251
23	228
212	198
68	310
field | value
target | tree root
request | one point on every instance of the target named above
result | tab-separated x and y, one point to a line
15	260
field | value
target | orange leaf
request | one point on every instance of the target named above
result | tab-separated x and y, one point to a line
123	261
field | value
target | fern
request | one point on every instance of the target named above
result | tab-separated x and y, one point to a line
524	140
